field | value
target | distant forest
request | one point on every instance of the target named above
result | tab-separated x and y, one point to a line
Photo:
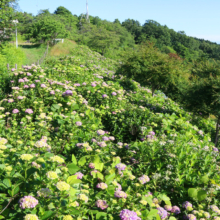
111	38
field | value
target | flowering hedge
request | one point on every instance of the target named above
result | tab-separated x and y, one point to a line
79	142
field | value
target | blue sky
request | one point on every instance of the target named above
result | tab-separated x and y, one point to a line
198	18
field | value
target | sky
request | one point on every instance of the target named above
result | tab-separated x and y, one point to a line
198	18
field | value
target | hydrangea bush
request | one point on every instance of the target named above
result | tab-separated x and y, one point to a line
79	142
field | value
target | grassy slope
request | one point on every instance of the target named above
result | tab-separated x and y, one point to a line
34	52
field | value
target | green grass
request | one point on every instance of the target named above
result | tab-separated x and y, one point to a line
33	52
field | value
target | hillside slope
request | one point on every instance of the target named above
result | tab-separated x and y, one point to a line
83	143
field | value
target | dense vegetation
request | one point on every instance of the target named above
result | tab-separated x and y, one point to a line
88	137
78	141
111	38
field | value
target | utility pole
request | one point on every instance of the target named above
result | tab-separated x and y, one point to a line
87	11
15	22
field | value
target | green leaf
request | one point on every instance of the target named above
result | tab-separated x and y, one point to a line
172	218
2	217
109	178
152	213
72	168
165	198
99	166
144	214
7	182
100	176
111	190
82	160
202	194
101	215
15	190
31	171
192	192
47	215
73	179
205	179
74	159
55	106
74	211
72	192
149	200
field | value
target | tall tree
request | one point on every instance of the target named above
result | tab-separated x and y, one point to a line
62	11
47	28
7	8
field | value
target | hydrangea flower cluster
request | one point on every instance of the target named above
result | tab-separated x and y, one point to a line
162	213
144	179
187	205
126	214
31	217
28	202
102	204
120	166
120	194
63	186
79	175
102	186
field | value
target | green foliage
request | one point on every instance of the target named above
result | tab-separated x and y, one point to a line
11	55
62	11
47	28
6	17
150	67
151	137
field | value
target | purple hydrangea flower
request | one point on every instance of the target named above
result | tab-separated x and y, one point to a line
119	188
144	179
175	210
78	123
79	175
162	212
26	86
20	80
102	204
104	138
68	93
13	69
100	132
43	85
32	86
91	165
126	214
111	138
52	92
215	149
28	202
120	194
37	80
93	84
29	111
102	144
104	96
29	74
168	207
120	166
102	186
187	205
191	217
114	93
15	111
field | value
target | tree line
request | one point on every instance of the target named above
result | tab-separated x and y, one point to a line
109	38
